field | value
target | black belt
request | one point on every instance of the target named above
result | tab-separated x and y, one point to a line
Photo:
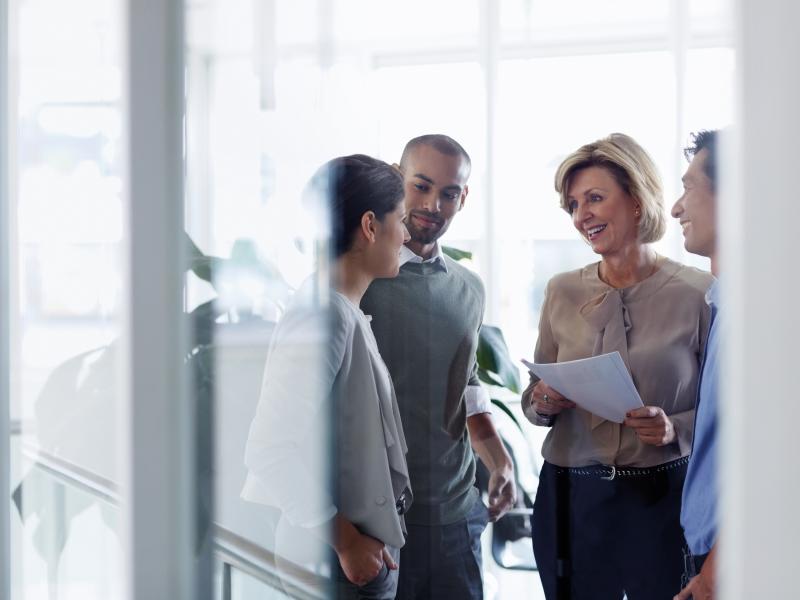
611	472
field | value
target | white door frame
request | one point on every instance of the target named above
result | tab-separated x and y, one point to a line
157	417
759	475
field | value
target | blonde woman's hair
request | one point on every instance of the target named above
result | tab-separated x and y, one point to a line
634	171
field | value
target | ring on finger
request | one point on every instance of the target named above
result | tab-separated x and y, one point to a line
546	399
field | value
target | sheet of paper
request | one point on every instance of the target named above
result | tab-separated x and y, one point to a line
600	384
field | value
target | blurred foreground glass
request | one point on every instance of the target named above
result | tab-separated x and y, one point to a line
253	243
66	281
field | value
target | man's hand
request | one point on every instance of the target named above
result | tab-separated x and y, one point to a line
360	556
698	589
701	587
652	425
502	492
490	449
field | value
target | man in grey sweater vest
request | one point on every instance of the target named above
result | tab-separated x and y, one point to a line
426	322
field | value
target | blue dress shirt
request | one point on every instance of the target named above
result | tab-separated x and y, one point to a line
699	507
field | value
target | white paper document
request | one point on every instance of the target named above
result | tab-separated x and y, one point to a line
600	384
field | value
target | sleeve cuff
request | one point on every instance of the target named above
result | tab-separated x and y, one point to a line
543	420
477	400
537	418
684	427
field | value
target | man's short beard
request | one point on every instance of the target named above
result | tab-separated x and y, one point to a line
423	237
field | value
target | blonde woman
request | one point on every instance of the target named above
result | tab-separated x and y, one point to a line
606	516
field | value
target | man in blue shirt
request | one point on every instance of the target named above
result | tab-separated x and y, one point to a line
696	211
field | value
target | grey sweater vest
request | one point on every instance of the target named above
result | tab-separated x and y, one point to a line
426	323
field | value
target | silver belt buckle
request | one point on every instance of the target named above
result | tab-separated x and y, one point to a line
613	473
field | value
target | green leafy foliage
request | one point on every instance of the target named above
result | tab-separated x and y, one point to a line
495	366
201	265
504	407
456	254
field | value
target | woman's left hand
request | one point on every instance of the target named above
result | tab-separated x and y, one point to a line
652	425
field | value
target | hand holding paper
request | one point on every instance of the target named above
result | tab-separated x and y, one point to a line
652	425
545	400
600	384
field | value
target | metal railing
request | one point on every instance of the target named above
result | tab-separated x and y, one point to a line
234	552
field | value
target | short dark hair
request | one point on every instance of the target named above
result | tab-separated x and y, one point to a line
351	186
705	140
438	141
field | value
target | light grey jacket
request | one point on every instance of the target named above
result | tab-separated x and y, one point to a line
327	435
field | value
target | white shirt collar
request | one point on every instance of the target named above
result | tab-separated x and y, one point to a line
407	255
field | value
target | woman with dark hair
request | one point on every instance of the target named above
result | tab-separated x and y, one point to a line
327	394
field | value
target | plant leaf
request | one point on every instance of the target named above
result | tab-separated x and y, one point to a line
494	359
456	254
201	265
489	377
504	407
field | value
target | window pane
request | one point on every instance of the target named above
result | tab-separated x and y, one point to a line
445	98
710	9
546	109
256	132
408	23
709	88
597	19
65	346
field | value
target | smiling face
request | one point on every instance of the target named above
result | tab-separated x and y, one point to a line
435	187
602	212
696	208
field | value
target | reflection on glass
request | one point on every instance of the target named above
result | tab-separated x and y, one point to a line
253	244
65	339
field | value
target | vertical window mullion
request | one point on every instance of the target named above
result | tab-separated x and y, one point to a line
679	43
157	418
490	52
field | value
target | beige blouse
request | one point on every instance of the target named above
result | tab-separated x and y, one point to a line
659	326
